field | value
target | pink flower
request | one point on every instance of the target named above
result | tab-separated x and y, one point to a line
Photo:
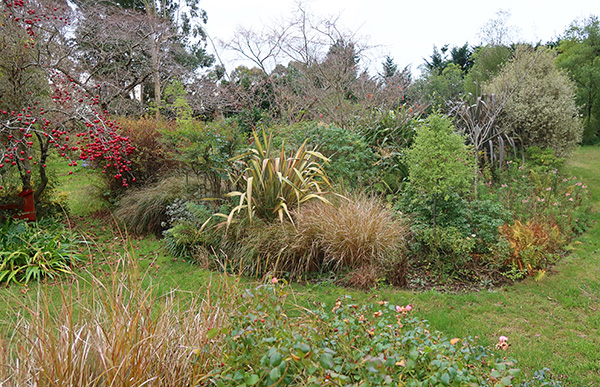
549	189
503	339
555	203
399	309
570	199
504	185
567	194
274	280
408	308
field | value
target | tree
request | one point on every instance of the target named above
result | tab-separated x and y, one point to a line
41	109
437	61
439	161
132	45
487	61
497	31
389	68
580	56
542	110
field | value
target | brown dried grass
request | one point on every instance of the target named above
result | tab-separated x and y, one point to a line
118	334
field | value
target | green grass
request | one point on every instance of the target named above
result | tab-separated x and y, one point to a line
81	188
552	323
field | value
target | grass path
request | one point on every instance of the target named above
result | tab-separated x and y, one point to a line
553	323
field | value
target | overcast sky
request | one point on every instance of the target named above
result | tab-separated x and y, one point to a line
406	30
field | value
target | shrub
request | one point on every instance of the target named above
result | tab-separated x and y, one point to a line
439	162
351	160
272	183
445	247
32	251
204	150
374	344
466	229
151	157
544	195
532	246
542	110
191	228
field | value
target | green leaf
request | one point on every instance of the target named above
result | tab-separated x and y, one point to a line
275	374
211	334
445	379
252	379
326	361
275	359
506	381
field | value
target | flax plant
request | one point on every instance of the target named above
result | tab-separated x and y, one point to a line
273	183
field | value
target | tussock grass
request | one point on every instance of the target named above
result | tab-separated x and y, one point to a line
354	234
119	334
143	210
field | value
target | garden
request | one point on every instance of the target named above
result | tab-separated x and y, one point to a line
165	222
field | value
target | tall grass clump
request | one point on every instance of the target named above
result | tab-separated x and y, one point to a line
359	236
359	233
113	333
144	210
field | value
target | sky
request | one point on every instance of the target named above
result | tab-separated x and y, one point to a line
405	30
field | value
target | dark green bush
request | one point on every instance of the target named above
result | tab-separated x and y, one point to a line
352	162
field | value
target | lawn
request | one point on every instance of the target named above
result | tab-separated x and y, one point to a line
551	323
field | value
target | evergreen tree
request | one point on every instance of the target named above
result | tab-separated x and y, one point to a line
389	68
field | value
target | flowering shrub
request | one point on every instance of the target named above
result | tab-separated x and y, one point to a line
352	345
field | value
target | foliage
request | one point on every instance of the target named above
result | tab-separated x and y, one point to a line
445	248
205	150
579	51
542	109
201	149
33	251
273	184
438	161
373	344
351	160
151	158
347	237
534	192
188	228
443	88
532	246
488	60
